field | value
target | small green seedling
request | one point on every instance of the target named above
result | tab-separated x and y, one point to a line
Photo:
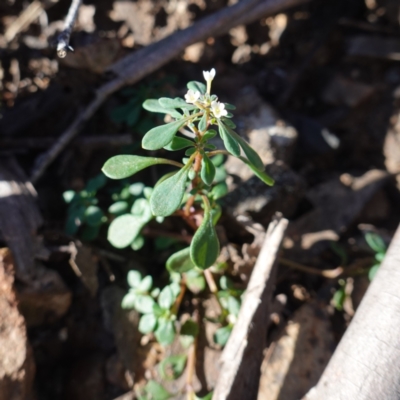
84	216
190	192
376	243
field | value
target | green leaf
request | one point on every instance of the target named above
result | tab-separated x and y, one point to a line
94	216
175	103
160	136
206	397
145	285
338	298
375	242
204	248
252	156
123	166
144	304
172	367
180	261
69	195
176	288
233	306
197	86
165	332
141	208
136	189
219	190
138	243
96	183
123	230
195	281
155	391
203	123
218	160
229	123
167	196
225	283
147	323
134	278
118	208
178	143
207	170
153	105
216	213
221	336
372	271
229	106
129	300
230	143
209	135
190	328
260	175
166	298
190	151
379	257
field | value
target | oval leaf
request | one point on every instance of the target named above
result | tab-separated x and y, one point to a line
165	332
175	103
180	261
251	154
123	166
166	298
260	174
123	230
207	170
168	195
204	248
147	323
230	143
197	86
178	143
153	105
160	136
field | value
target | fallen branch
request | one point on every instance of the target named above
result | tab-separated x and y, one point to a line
366	363
243	354
143	62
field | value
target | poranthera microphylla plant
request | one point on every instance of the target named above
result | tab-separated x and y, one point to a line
186	192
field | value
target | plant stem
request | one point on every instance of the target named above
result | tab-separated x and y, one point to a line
212	286
191	363
178	301
327	273
215	152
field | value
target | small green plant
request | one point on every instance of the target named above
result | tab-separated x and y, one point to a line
192	193
84	216
376	243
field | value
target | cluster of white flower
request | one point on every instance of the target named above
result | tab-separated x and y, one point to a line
217	108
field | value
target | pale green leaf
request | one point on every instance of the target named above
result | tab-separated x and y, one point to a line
147	323
160	136
207	170
167	196
123	166
153	105
230	143
178	143
204	248
180	261
123	230
166	298
165	332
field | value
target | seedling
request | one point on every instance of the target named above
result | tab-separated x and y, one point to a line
190	192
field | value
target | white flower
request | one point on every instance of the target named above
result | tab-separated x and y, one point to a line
209	75
218	109
192	96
